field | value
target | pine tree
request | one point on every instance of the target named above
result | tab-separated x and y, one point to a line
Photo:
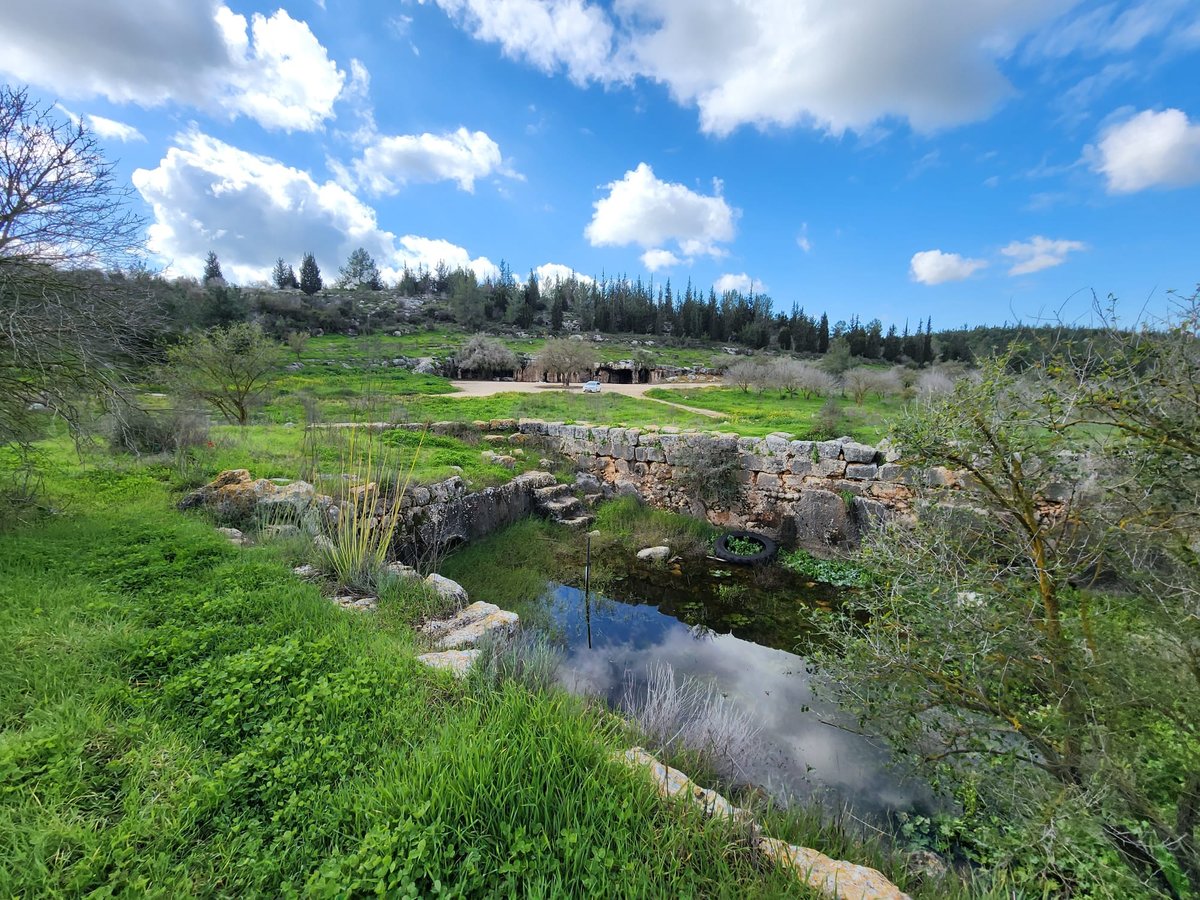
283	276
927	343
310	275
823	334
360	271
212	269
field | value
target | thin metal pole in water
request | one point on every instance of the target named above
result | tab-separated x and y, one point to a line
587	589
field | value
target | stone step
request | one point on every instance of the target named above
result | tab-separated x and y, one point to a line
566	508
553	492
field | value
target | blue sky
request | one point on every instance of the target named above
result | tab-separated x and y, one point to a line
974	162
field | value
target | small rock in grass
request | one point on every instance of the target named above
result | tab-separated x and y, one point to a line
451	591
458	662
400	570
234	536
307	571
654	554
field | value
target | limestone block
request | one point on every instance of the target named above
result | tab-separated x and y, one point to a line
828	468
802	449
650	454
822	518
859	453
467	627
673	783
861	471
890	472
457	662
829	450
800	465
777	442
451	591
834	878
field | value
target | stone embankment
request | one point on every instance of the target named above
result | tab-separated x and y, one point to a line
814	493
834	878
433	518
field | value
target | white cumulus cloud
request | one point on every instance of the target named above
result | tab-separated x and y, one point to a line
194	52
740	282
250	209
548	273
552	35
936	267
654	260
826	63
1150	149
388	163
1039	253
642	210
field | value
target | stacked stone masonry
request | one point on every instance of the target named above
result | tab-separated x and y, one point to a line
812	492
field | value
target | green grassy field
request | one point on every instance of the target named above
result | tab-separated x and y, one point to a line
183	718
759	414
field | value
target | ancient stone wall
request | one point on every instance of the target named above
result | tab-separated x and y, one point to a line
813	493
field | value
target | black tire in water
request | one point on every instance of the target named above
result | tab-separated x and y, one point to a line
769	548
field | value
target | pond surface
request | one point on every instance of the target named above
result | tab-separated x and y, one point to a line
725	626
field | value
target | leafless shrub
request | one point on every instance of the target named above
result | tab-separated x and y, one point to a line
934	382
687	714
746	374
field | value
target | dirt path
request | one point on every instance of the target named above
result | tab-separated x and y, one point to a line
488	388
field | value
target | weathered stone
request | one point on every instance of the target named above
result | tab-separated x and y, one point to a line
451	591
400	570
457	662
861	471
232	496
800	465
822	518
467	627
777	442
234	536
828	468
654	554
858	453
834	878
829	450
306	571
890	472
672	783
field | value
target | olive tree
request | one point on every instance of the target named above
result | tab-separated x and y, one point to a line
565	359
228	368
1008	642
483	355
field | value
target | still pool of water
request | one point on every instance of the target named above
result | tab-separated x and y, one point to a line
803	751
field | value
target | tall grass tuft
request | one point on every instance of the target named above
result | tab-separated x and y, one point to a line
361	538
526	658
686	714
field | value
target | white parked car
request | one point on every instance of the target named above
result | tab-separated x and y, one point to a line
591	387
